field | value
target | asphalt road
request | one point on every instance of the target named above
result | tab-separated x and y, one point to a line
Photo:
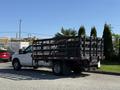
43	79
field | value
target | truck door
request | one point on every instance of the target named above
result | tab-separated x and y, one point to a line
26	56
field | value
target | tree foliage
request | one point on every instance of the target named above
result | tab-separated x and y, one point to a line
93	32
66	32
116	38
81	31
108	46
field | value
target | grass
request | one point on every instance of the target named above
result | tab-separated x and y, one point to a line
110	68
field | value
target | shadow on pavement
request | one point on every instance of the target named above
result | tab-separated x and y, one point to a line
30	74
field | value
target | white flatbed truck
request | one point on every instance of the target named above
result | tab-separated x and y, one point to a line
63	55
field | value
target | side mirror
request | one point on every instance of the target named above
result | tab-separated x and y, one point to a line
20	51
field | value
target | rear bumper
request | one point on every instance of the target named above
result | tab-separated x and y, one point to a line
4	60
92	62
85	63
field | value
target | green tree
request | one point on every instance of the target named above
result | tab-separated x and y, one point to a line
108	46
93	32
116	38
81	31
66	32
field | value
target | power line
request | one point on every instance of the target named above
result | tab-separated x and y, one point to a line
39	34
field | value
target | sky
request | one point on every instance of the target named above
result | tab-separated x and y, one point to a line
44	18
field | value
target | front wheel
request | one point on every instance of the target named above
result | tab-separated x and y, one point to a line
16	65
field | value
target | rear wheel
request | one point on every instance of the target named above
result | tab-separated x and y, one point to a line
16	64
57	68
66	69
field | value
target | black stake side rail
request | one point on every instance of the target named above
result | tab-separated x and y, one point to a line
67	48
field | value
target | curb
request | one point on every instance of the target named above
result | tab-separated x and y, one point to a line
105	72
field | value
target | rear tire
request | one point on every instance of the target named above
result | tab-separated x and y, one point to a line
57	68
16	65
66	69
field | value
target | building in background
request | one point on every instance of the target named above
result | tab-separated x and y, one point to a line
3	42
13	45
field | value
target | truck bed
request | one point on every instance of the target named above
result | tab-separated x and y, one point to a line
68	48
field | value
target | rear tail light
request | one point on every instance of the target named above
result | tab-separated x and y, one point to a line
4	55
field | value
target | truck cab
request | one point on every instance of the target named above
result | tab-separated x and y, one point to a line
23	58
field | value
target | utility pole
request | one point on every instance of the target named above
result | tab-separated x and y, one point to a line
20	29
29	35
16	36
119	47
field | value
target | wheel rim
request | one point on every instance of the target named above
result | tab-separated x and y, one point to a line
16	64
57	68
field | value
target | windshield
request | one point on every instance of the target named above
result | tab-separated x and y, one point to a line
28	49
